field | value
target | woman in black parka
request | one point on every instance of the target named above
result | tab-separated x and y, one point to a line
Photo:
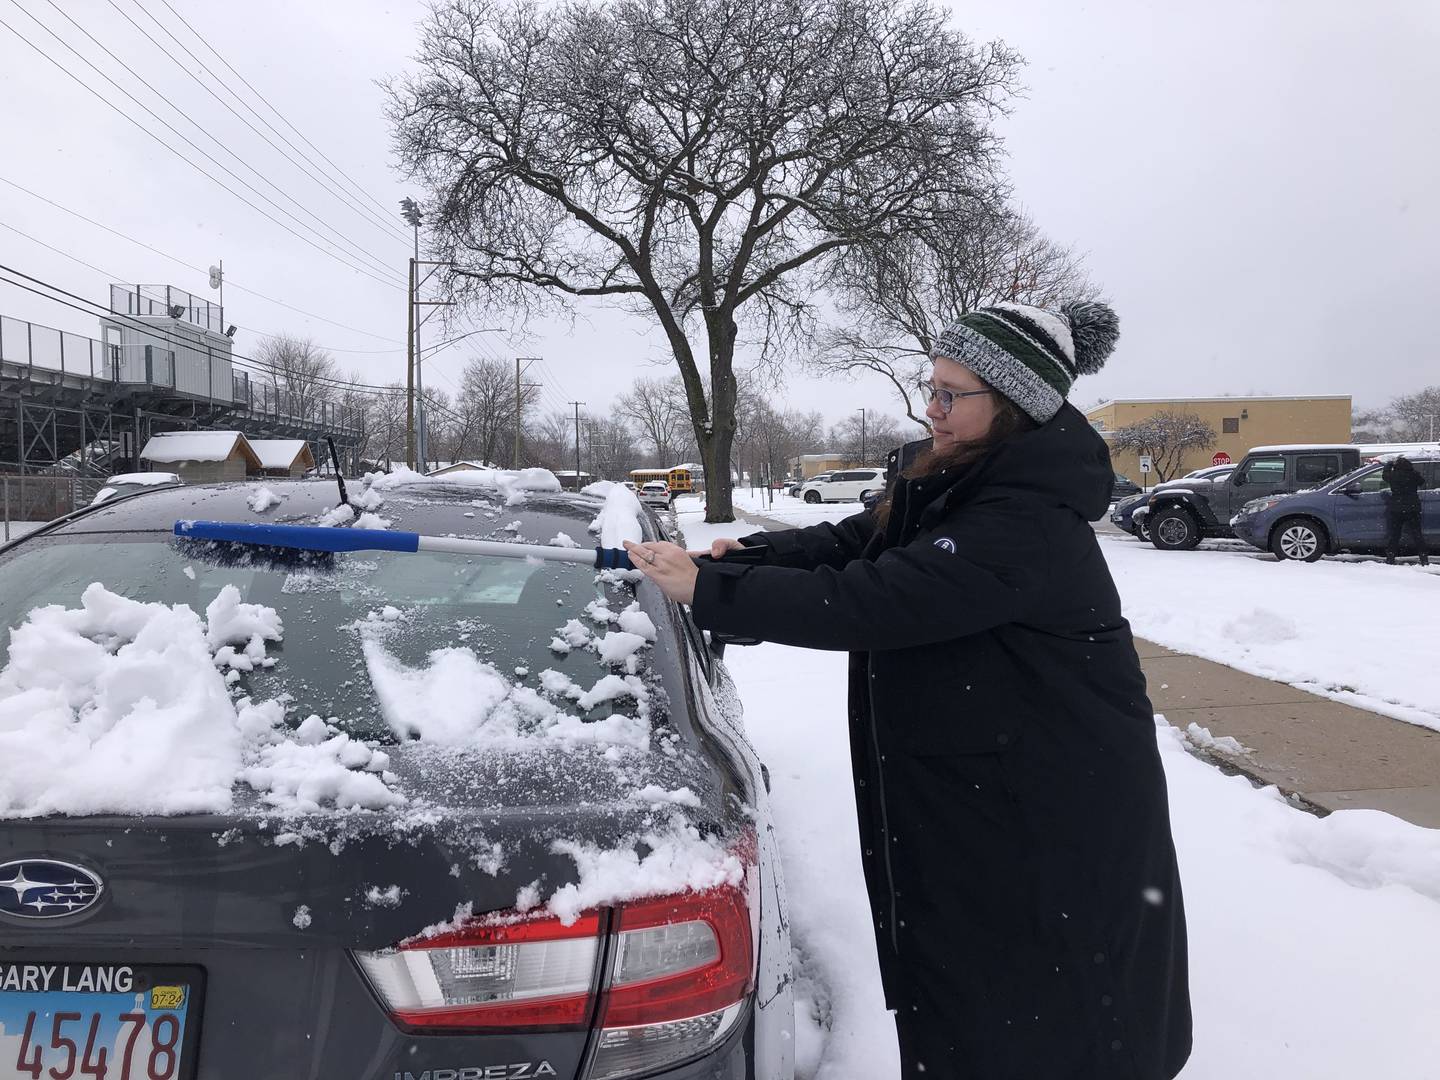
1014	826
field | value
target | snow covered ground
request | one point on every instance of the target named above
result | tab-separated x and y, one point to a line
1313	943
1354	630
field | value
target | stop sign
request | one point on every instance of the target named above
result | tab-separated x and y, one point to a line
1220	458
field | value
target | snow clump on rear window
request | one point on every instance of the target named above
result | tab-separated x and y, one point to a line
510	483
121	707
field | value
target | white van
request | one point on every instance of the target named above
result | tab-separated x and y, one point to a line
845	485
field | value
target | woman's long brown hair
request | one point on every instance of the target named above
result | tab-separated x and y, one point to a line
1010	420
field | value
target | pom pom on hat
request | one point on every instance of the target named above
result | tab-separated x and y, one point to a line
1095	328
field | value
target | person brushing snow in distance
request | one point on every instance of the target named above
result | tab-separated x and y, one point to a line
1014	824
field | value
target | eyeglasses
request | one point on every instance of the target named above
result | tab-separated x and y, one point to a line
947	398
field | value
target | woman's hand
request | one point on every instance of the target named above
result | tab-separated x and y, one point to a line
718	548
669	566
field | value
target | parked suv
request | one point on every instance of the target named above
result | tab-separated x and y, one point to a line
1347	514
1180	517
847	485
1129	513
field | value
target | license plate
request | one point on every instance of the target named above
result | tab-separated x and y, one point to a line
69	1021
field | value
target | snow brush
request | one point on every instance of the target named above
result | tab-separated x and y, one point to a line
321	538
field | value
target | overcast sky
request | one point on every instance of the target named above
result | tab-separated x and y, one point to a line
1255	183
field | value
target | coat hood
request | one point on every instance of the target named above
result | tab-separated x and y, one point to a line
1063	462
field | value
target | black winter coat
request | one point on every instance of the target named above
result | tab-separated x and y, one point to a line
1014	823
1405	483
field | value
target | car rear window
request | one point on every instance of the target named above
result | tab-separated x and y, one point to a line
507	611
1316	468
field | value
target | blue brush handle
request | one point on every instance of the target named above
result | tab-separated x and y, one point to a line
613	559
306	537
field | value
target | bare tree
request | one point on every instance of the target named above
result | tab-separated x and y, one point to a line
1165	436
895	296
384	422
487	390
611	450
867	443
550	442
1407	418
768	438
300	368
657	409
698	162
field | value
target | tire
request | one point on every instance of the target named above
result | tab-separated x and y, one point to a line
1174	529
1143	531
861	499
1301	539
812	497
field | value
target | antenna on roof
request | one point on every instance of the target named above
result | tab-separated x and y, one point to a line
335	460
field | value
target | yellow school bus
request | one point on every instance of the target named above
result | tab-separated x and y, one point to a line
681	479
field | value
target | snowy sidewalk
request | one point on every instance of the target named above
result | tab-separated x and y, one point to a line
1334	755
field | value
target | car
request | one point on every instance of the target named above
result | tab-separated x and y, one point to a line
131	483
1123	487
1180	516
1129	513
377	832
655	493
1345	515
844	485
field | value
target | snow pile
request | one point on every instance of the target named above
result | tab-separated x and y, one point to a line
121	707
457	699
368	520
619	518
336	516
563	540
116	706
512	484
672	858
262	499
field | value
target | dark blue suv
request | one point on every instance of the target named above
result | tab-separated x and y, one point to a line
1346	514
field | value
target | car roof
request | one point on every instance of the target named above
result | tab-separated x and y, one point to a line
1281	448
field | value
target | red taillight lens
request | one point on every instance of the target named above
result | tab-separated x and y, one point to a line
536	973
678	957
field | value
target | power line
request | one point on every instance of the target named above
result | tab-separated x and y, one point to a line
359	251
373	218
115	278
205	41
111	105
191	266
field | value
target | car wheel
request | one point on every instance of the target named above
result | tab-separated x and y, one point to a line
812	496
1143	531
863	495
1301	539
1174	529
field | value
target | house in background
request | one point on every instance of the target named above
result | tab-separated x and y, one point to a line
458	466
809	465
202	457
283	457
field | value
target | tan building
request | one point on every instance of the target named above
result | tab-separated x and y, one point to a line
1239	423
202	457
283	457
809	465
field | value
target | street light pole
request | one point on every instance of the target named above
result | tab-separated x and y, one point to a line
862	438
410	211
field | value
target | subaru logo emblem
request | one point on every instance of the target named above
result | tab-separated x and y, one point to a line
47	889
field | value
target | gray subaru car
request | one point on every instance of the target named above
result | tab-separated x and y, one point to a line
1345	515
373	815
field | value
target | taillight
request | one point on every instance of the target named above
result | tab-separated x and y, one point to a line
537	973
682	967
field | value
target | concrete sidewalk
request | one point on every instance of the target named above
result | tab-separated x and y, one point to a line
1335	756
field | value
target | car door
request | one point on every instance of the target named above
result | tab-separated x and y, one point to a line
1259	476
843	487
1360	511
1430	503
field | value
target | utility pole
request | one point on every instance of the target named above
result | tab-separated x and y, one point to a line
862	438
519	404
577	405
410	370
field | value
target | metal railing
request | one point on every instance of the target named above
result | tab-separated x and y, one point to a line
166	302
30	500
32	345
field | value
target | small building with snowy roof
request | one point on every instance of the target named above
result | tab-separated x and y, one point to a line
203	457
283	457
457	466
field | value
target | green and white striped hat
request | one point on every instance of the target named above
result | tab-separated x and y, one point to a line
1030	354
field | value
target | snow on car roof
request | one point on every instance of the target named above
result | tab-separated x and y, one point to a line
1283	447
143	479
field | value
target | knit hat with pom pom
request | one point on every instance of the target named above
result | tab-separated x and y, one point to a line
1032	355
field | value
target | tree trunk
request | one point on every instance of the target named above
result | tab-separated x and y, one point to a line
717	444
